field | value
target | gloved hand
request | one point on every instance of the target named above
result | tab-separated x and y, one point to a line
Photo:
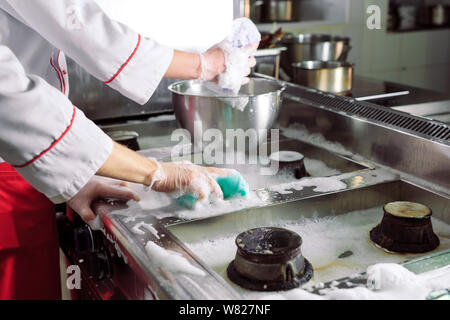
231	60
213	62
185	177
95	189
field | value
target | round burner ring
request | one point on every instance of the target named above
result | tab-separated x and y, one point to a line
269	259
405	228
291	162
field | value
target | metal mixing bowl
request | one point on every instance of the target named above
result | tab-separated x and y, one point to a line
195	103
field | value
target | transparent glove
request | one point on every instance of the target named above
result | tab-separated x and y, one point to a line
95	189
185	177
214	62
230	67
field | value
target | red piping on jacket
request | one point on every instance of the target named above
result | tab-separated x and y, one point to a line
60	71
126	62
53	144
57	72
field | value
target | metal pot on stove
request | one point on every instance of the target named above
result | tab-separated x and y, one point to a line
329	76
306	47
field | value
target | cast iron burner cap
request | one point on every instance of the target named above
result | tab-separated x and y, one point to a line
291	162
269	259
406	228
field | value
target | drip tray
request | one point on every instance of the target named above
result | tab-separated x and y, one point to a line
334	227
317	162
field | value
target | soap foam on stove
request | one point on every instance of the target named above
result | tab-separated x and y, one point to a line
394	282
324	239
137	229
299	132
205	210
320	185
170	260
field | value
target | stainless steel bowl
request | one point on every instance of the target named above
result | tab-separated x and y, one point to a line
197	109
330	76
306	47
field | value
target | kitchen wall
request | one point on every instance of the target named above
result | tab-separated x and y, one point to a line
420	58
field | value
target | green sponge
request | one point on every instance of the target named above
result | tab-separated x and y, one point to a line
232	186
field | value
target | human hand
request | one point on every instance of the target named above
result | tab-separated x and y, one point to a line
185	177
250	50
95	189
214	62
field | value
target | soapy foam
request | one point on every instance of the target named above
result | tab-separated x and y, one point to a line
393	282
299	132
319	184
218	207
162	206
170	260
253	175
324	239
138	230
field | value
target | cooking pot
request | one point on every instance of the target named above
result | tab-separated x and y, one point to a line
307	47
330	76
281	10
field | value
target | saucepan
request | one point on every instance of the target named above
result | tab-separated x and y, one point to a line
306	47
330	76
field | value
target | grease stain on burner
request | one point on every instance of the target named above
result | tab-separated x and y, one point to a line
269	259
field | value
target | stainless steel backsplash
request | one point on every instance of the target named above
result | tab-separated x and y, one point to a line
100	102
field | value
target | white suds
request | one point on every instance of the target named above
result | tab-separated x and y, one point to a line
137	229
218	207
319	184
299	132
170	260
324	240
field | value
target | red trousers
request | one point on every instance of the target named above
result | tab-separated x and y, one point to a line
29	253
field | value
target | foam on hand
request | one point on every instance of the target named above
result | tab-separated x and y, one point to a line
232	186
236	49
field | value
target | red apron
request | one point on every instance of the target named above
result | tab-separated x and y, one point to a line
29	253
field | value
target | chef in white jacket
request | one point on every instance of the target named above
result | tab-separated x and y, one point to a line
50	150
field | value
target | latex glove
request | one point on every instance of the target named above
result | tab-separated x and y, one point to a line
95	189
238	49
214	62
185	177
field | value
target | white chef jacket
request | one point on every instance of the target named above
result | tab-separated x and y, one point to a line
48	140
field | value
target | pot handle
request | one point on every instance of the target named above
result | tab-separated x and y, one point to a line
344	53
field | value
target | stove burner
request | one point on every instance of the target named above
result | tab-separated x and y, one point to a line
269	259
406	228
290	162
